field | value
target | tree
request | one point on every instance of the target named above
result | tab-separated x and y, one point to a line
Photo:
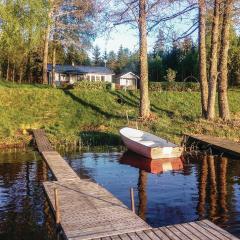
70	23
144	103
79	57
112	60
203	57
223	60
122	58
156	68
97	56
213	75
51	6
22	24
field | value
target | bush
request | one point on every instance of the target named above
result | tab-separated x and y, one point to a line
174	86
171	75
90	85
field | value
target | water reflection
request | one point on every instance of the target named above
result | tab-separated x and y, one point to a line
152	166
213	180
169	192
24	210
145	166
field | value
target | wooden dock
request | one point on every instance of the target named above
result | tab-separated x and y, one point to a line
223	145
88	211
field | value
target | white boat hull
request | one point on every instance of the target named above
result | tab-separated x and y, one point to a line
149	145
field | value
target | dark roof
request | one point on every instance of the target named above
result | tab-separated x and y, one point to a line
69	69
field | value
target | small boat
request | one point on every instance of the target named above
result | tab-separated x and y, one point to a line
156	166
149	145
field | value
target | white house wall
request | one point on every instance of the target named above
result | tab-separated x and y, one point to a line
74	78
127	82
97	77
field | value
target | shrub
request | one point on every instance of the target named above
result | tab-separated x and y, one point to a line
90	85
174	86
171	75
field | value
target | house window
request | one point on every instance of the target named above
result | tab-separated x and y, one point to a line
97	78
93	78
81	77
103	78
88	77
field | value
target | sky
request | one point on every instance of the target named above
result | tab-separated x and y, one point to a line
121	36
124	36
128	38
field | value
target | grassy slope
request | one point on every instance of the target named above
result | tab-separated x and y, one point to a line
69	116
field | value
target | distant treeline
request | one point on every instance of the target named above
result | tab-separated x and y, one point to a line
25	31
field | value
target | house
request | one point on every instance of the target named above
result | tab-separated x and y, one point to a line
127	81
72	74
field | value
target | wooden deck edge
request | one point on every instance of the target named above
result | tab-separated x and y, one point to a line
190	139
53	208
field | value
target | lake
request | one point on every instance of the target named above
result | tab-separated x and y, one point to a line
166	192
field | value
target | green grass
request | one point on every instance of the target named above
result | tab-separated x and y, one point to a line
93	117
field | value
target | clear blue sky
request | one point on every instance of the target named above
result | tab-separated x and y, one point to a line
124	36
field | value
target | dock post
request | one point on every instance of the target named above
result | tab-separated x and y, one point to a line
57	210
132	200
127	118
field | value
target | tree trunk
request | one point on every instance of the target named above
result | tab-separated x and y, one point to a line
144	98
223	59
203	57
53	63
20	74
8	69
214	62
13	73
28	69
45	52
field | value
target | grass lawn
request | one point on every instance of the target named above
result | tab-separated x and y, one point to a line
95	116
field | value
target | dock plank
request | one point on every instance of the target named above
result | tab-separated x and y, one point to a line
90	211
42	141
217	230
221	144
170	234
152	235
187	228
203	231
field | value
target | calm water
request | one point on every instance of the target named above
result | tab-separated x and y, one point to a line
166	192
24	211
169	192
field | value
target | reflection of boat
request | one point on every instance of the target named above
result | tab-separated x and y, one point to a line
149	165
148	144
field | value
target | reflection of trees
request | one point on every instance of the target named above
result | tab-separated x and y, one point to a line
213	187
213	180
223	188
23	214
202	187
142	194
